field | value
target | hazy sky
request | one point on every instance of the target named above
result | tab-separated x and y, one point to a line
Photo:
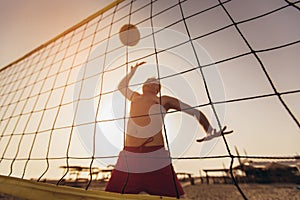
262	126
26	25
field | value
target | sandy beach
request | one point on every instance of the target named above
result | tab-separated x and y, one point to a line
252	191
228	191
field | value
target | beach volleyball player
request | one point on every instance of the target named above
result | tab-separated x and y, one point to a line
144	164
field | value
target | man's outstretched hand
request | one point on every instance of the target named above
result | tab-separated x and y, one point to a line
215	134
133	68
225	132
219	133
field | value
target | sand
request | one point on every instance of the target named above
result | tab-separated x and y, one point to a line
8	197
227	191
252	191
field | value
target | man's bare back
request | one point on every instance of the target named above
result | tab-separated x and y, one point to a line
145	121
147	112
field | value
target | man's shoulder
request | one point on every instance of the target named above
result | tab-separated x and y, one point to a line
168	100
134	95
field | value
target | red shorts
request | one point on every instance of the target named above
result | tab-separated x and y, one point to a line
162	181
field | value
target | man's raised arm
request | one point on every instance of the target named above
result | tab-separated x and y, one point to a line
123	85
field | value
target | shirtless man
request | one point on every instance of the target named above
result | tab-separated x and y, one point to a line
144	136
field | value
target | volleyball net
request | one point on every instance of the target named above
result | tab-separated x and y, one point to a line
234	61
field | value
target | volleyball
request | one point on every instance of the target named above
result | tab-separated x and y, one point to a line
129	35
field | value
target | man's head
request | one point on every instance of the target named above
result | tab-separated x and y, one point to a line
151	85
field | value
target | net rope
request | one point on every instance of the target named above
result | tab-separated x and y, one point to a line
35	90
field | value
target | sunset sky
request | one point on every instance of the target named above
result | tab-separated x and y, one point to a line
26	25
